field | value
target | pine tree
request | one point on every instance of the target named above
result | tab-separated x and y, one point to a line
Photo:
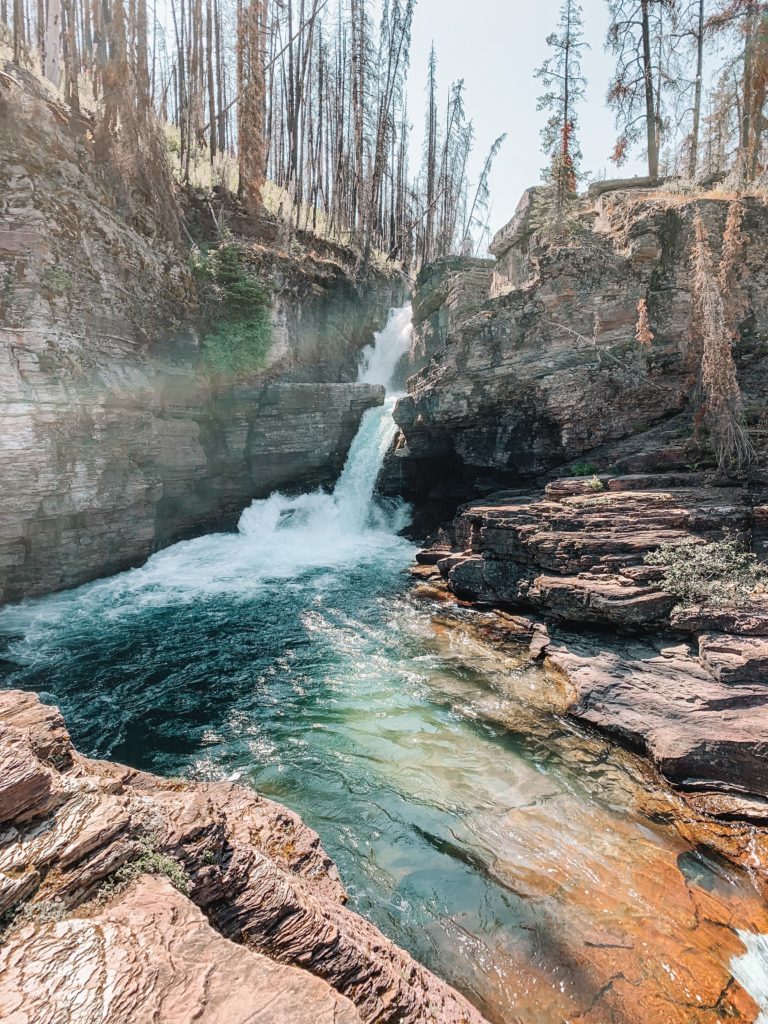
637	36
748	20
430	157
562	76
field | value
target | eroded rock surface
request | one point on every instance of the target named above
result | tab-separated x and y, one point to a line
89	925
695	702
149	956
534	363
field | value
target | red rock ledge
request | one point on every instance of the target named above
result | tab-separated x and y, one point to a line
130	898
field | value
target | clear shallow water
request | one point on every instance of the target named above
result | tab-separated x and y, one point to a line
532	865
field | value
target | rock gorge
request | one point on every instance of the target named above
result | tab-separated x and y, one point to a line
578	451
114	440
527	363
176	898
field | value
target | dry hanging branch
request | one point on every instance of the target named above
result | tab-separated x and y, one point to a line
643	333
734	241
724	412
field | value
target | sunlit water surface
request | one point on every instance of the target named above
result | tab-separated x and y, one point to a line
526	862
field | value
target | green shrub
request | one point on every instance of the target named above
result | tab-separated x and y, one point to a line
719	573
34	912
241	340
57	280
583	469
149	862
238	346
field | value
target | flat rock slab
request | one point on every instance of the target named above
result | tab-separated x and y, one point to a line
701	733
599	599
150	957
735	659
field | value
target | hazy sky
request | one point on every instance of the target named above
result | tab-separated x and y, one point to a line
495	46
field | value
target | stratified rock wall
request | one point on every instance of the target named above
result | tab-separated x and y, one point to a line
534	362
112	443
685	685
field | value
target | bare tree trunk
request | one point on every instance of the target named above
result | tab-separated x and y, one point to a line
211	84
71	60
431	157
52	67
222	134
651	124
251	104
695	131
142	56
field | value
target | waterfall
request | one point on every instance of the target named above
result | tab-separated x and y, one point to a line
351	511
278	538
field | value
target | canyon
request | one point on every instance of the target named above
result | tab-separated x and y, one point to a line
531	761
115	439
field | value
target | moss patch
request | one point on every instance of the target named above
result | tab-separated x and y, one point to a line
241	339
57	280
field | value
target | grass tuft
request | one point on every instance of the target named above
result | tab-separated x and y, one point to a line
718	573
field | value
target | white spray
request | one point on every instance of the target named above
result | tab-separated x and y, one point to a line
280	537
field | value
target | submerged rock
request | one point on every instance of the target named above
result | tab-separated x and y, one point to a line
92	924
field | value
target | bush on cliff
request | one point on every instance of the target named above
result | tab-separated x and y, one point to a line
241	339
719	573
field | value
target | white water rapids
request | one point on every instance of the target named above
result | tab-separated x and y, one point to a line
279	537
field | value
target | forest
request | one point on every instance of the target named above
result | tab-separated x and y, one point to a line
304	102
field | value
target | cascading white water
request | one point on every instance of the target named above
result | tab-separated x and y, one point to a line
279	537
336	520
751	970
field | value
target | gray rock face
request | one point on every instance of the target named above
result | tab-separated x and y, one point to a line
112	443
545	368
96	482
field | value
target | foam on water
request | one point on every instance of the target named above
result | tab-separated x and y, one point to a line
280	537
751	970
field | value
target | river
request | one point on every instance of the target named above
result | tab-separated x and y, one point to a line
530	863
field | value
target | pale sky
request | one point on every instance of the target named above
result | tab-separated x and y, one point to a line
495	46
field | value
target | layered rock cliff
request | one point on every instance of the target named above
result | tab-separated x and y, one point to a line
125	897
114	439
684	685
587	449
533	361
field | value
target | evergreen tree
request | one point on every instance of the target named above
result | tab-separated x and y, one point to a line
562	77
638	36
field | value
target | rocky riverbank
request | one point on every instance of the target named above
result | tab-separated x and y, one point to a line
687	686
116	439
155	899
532	362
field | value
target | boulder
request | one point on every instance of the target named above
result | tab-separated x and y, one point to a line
148	899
